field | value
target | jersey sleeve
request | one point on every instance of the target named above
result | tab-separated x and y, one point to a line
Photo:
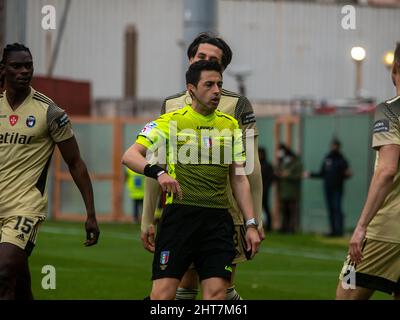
246	117
386	129
239	154
58	123
154	134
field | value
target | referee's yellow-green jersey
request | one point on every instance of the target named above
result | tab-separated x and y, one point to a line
199	150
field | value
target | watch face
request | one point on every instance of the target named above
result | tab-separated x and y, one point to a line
252	222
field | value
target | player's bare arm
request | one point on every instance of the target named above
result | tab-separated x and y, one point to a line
256	188
241	189
380	187
70	152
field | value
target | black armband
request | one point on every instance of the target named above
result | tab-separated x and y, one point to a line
153	171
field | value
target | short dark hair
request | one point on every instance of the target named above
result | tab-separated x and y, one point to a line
194	72
206	37
6	52
12	48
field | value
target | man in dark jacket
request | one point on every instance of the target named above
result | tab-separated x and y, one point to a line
334	170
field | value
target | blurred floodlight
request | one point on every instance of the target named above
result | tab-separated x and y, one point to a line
358	53
388	59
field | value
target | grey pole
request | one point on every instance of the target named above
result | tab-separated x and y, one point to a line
198	16
60	34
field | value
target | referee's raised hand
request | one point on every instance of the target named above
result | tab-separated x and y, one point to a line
169	185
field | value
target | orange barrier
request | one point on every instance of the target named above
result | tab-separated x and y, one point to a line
115	178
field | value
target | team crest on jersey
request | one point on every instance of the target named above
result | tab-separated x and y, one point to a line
164	257
13	119
148	127
30	121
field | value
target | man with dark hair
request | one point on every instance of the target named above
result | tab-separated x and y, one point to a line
373	262
209	47
334	171
204	148
207	39
31	125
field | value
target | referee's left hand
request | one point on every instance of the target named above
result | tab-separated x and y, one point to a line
92	231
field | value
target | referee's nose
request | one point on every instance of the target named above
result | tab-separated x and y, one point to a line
216	89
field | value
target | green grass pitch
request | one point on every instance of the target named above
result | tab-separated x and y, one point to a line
298	267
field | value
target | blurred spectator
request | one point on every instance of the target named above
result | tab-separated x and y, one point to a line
290	172
334	170
268	177
135	184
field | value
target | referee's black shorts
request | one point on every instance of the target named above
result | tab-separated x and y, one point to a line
189	234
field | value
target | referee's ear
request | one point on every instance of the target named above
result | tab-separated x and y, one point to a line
190	87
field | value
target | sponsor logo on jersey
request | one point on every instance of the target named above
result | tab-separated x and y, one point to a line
381	126
228	268
13	119
15	138
148	127
30	121
248	117
164	257
63	120
21	237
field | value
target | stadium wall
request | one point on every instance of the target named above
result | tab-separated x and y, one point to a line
291	49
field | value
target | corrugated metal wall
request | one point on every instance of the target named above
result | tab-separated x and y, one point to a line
93	44
292	49
300	49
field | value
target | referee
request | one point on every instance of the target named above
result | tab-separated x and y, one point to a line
209	47
196	225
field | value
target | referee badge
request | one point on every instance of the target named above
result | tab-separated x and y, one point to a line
164	257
